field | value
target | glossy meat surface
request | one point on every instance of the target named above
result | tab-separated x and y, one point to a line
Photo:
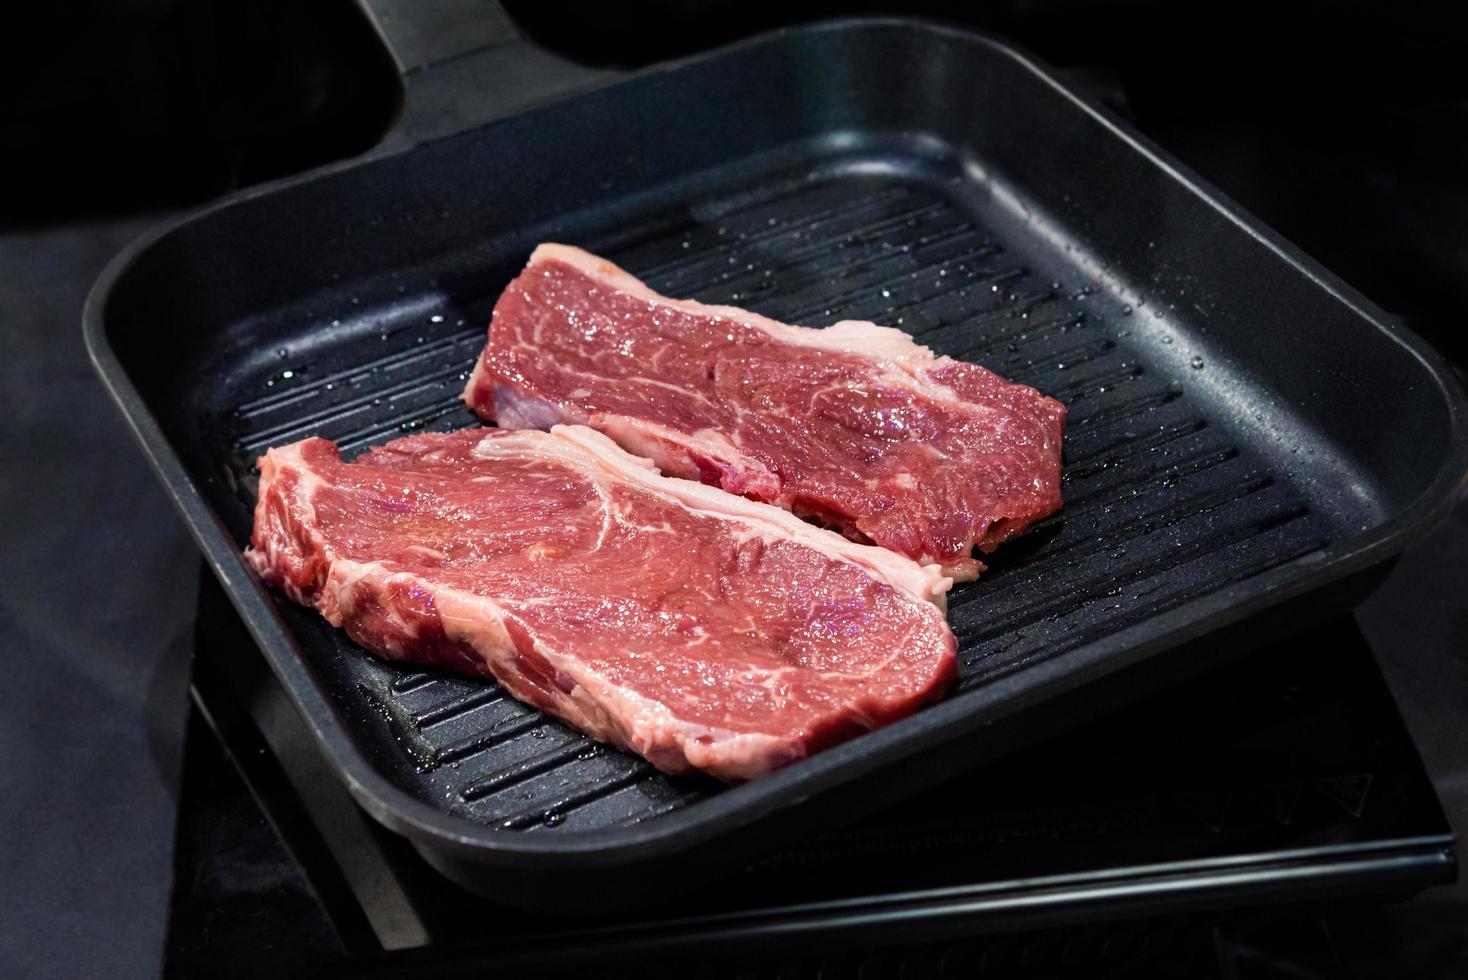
855	424
696	628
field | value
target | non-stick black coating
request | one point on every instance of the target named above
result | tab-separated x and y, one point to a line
1243	430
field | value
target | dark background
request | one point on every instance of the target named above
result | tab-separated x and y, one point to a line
1342	125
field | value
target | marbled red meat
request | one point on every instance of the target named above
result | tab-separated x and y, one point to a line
855	424
699	629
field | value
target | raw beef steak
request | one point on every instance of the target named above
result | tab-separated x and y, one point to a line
855	424
699	629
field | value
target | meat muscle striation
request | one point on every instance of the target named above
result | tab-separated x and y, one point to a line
698	629
855	424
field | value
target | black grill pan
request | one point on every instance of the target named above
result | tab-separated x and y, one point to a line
1246	434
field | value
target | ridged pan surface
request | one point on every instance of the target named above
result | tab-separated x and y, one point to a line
1163	503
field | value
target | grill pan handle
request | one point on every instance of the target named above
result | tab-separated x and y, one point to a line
464	62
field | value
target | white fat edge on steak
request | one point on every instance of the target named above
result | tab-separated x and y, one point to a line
674	451
926	583
671	449
285	457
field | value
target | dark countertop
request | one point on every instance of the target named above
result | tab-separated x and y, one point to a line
99	601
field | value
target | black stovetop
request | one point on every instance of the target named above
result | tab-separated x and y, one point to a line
1240	809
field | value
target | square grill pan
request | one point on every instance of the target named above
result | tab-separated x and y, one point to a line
1245	433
